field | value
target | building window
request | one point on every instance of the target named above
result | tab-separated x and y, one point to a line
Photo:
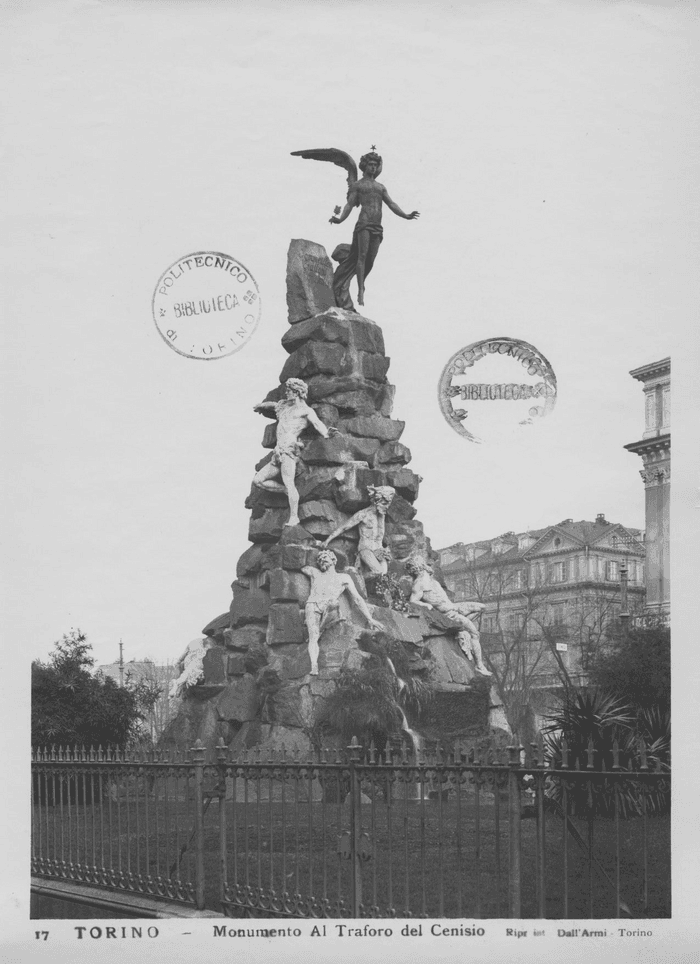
612	571
650	411
558	611
520	579
558	572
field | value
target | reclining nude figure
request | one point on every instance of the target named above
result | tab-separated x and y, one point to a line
428	592
327	586
293	416
371	523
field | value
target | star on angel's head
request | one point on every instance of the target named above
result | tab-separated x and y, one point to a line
373	147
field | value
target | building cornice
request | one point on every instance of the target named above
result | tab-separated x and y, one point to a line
653	370
657	443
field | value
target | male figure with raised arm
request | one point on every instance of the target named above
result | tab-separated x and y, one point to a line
293	415
327	586
371	523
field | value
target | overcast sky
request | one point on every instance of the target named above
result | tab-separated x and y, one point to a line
550	150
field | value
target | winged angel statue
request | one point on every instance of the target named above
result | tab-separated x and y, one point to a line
367	194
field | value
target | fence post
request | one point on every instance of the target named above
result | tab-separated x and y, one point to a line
198	755
221	759
514	812
355	827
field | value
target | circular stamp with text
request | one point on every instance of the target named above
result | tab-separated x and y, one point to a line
495	387
206	305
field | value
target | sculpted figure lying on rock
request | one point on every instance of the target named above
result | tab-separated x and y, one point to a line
190	666
428	592
371	522
293	415
327	586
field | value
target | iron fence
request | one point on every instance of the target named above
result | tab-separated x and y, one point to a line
358	833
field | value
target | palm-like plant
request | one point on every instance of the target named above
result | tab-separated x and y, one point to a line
586	732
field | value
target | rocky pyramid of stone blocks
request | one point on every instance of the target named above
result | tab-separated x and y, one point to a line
257	688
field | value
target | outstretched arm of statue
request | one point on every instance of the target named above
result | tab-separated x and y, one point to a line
351	589
320	427
393	206
344	526
264	407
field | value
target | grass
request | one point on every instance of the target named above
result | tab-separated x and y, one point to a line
442	857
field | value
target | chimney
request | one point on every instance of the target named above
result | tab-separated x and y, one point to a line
601	519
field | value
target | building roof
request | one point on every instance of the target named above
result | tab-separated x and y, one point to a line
583	532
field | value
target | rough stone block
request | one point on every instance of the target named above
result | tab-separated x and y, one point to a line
294	557
337	639
296	536
405	482
265	499
246	637
450	664
340	449
291	662
285	625
321	687
321	517
239	701
270	435
350	404
437	624
407	538
313	488
392	453
317	358
289	586
290	705
268	527
236	666
249	606
385	402
400	510
215	629
327	413
351	486
214	666
373	367
399	627
326	388
336	325
309	280
252	560
373	426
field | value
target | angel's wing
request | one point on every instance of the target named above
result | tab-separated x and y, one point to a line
335	156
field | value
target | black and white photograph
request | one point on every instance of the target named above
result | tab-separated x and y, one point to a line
341	543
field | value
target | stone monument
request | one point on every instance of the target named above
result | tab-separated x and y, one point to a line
277	653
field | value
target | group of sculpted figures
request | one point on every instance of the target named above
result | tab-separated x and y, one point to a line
294	416
328	586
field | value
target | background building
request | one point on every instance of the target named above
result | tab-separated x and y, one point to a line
550	595
655	450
